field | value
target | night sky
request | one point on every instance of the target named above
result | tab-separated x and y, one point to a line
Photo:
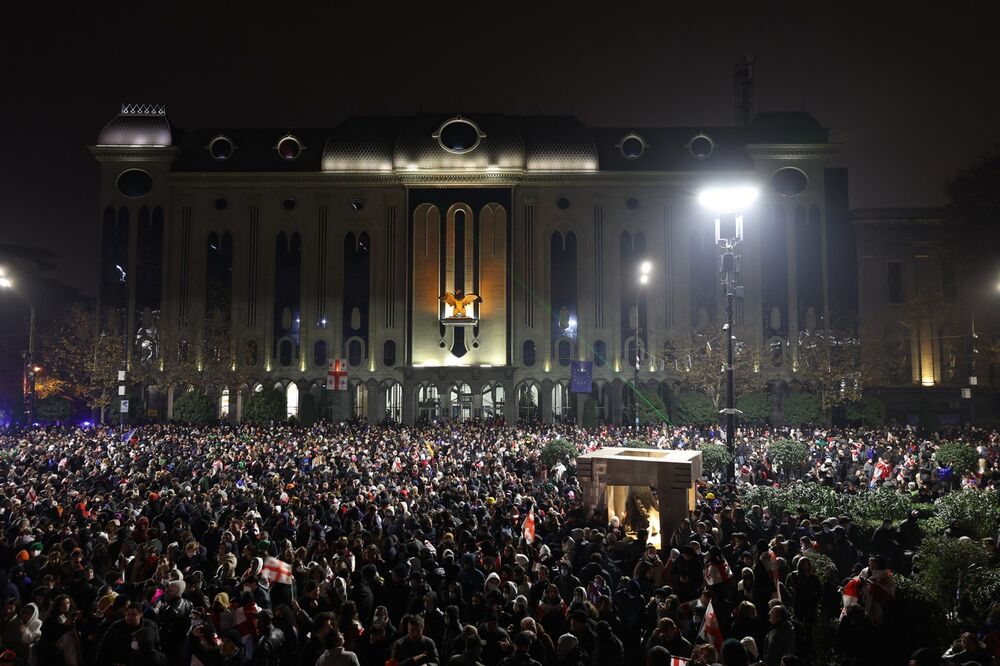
911	95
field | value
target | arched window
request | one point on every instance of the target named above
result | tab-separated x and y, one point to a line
389	353
461	401
394	402
292	400
354	353
360	400
319	352
565	352
600	353
527	402
494	398
224	404
528	353
285	353
428	401
560	402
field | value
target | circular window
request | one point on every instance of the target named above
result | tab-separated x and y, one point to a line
459	135
288	204
632	146
357	204
221	204
221	147
701	146
789	181
289	148
562	203
134	183
631	203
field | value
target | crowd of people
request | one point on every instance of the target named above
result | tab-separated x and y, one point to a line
437	543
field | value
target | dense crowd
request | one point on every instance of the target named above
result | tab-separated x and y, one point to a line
441	543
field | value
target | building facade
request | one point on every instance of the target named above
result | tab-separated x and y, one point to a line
310	245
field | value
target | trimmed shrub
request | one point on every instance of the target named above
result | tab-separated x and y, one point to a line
714	459
194	407
802	408
977	512
867	412
943	563
651	409
637	444
961	457
695	409
266	406
558	450
52	409
757	407
788	453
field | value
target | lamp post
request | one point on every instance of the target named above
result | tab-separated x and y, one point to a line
645	271
30	370
728	204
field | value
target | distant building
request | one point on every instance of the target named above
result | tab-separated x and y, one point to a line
918	314
321	244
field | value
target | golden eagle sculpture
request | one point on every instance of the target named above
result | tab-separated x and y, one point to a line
459	302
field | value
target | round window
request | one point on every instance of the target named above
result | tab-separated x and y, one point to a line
221	148
289	148
789	181
288	204
701	146
562	203
221	204
632	147
459	136
134	183
631	203
357	204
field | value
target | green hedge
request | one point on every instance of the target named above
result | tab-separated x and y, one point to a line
977	511
960	456
695	409
194	407
265	406
800	407
714	459
558	450
757	407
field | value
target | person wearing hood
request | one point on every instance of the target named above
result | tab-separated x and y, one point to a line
174	617
144	649
22	628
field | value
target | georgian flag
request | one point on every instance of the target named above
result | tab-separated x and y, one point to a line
710	629
717	573
277	571
852	593
528	527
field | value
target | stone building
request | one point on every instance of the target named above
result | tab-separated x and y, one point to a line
320	244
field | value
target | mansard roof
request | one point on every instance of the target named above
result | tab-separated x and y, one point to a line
430	142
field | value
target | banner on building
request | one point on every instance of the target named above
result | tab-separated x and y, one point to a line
581	375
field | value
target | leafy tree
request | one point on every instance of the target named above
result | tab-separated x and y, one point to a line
696	409
715	460
941	566
789	453
265	406
757	407
87	361
194	406
868	411
558	450
47	386
802	408
703	368
651	408
829	365
52	409
589	413
961	457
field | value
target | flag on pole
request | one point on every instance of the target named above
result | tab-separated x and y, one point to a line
336	377
277	571
581	376
528	527
710	629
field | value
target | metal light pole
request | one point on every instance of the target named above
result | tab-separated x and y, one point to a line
645	270
30	370
728	204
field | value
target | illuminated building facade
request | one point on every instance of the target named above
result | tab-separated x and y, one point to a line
320	244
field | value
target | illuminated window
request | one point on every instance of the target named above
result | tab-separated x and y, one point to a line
292	400
394	402
360	401
224	404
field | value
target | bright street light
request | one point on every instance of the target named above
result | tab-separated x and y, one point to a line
644	278
6	282
728	199
646	267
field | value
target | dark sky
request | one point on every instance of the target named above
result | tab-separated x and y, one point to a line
911	94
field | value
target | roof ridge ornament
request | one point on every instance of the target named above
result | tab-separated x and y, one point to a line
143	109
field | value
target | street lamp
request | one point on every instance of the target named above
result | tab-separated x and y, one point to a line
30	369
728	204
645	272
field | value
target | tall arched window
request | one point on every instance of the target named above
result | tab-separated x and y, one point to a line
389	353
224	404
355	352
319	352
360	400
394	402
527	402
285	353
461	401
292	400
600	353
528	353
564	351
